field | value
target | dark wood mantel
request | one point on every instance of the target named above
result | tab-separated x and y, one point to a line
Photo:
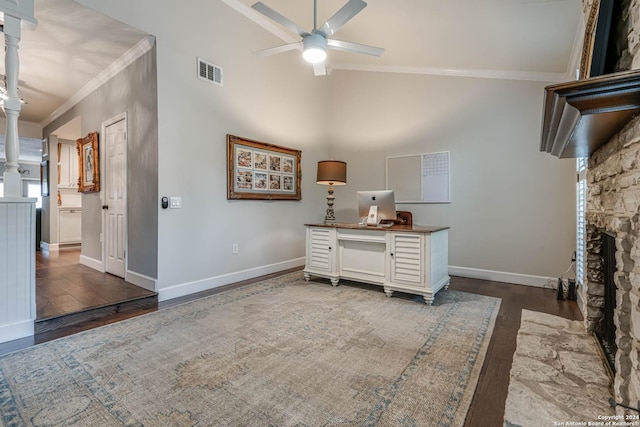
581	116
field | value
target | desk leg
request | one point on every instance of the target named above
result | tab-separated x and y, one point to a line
388	292
428	300
334	282
306	276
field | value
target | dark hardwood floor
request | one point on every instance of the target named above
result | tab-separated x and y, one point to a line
487	407
68	293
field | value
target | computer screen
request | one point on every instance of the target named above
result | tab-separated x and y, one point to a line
383	199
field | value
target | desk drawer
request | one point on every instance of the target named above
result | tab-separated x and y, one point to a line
374	236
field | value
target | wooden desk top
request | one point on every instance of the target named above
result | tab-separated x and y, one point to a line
405	228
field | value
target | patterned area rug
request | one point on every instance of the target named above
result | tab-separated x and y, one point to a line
282	352
557	376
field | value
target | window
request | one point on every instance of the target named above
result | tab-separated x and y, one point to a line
33	190
29	189
581	210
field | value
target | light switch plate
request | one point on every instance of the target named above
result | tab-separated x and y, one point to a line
175	202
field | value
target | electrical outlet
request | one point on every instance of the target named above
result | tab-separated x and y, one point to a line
234	248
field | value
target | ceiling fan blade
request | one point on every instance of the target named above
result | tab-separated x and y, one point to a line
341	17
354	47
280	19
319	69
278	49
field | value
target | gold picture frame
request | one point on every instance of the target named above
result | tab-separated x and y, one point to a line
261	171
88	164
588	41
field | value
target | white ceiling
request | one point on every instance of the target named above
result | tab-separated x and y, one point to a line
69	48
530	39
71	45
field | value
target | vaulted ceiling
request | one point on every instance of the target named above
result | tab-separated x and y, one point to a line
521	39
528	39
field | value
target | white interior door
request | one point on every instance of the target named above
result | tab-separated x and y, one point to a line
116	196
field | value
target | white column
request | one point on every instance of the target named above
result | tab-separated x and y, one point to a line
11	107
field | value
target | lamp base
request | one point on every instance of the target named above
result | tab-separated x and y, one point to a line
330	217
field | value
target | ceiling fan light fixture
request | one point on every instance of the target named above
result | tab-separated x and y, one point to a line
315	48
314	55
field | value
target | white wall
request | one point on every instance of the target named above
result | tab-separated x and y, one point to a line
275	100
512	207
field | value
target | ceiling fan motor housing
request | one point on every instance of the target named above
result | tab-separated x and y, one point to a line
315	48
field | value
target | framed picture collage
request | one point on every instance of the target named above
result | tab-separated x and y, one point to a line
262	171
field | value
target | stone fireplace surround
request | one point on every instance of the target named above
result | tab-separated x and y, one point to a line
613	205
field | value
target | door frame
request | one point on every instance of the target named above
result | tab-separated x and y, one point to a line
103	194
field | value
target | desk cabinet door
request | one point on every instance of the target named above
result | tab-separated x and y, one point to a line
407	256
321	249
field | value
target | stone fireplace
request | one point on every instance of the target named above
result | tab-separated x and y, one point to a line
599	118
613	207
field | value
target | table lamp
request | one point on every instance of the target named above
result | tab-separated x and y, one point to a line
331	172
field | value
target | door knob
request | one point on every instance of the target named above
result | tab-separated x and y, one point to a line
105	207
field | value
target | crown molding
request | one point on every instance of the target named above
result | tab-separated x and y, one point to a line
142	47
435	71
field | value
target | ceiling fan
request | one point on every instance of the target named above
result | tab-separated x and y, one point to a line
314	44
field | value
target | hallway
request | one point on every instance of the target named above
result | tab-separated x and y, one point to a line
64	286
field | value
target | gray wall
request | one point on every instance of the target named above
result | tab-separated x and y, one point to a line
512	207
134	91
275	100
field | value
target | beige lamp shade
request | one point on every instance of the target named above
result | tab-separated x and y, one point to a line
332	172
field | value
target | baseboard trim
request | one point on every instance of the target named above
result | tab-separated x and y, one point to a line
49	247
149	283
501	276
92	263
225	279
13	331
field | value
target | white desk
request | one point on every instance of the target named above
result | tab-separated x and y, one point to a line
409	259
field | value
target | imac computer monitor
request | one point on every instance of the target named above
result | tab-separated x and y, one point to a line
384	201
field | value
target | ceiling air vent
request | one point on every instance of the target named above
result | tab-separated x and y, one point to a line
209	72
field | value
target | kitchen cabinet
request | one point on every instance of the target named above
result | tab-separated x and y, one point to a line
69	225
67	166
